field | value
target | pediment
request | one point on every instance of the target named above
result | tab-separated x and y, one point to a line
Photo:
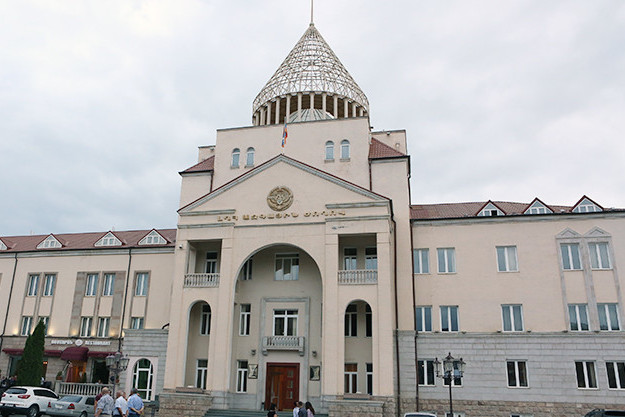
597	232
309	190
569	233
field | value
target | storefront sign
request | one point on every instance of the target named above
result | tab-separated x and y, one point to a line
263	216
80	342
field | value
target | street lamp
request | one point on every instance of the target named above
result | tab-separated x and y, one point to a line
452	368
116	363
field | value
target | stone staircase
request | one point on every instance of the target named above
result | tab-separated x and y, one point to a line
249	413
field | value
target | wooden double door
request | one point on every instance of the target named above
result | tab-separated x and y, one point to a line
282	385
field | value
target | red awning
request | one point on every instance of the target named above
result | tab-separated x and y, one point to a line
75	353
18	352
94	354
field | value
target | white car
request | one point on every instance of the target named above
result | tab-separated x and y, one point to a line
72	405
29	401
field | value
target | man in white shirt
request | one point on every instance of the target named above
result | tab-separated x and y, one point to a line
295	409
121	406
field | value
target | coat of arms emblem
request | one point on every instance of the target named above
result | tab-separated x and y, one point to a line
280	198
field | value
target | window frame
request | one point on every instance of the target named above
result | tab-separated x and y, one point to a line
49	284
211	264
245	315
369	378
426	373
142	280
290	317
201	373
104	324
596	259
137	323
91	285
421	261
451	311
575	312
568	258
242	376
108	285
32	289
607	311
293	274
513	310
350	378
371	258
247	270
521	379
448	260
235	158
351	320
350	258
510	258
86	326
423	317
205	319
329	151
345	150
26	326
618	374
249	157
589	378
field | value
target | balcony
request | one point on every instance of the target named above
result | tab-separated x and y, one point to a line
358	277
75	388
281	343
201	280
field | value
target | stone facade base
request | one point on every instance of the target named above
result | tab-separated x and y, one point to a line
374	407
506	408
184	403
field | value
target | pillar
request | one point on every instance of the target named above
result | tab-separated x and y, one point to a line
288	108
268	113
299	107
278	110
336	106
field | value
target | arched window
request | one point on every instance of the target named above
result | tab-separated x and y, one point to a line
142	376
345	149
329	150
235	157
249	161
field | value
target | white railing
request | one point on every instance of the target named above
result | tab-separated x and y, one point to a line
201	280
283	343
358	276
76	388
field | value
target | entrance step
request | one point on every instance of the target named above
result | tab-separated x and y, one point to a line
250	413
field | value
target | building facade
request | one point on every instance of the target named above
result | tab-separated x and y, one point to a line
299	270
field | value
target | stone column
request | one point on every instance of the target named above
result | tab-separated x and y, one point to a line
278	110
268	113
312	101
288	108
353	109
345	108
299	106
323	103
336	106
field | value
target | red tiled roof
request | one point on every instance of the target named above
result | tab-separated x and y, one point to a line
78	241
379	150
471	209
204	166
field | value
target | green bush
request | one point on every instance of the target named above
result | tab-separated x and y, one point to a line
30	367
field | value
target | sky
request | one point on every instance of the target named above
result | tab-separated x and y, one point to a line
103	103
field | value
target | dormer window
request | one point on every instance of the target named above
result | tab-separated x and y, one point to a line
329	151
586	206
490	210
249	161
345	149
49	243
236	154
153	238
537	207
108	239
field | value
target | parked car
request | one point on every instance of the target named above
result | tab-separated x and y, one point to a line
72	405
29	401
419	415
605	413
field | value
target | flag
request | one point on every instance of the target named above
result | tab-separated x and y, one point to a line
285	135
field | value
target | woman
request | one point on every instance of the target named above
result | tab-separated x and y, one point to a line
309	409
272	411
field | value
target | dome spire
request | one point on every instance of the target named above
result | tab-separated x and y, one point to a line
310	84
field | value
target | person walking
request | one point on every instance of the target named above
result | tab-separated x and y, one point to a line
310	410
295	409
105	405
302	410
135	404
121	405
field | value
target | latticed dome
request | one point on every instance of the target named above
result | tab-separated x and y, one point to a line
310	78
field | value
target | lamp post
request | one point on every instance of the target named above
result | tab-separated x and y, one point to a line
116	363
452	368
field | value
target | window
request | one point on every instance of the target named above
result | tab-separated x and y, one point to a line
490	210
586	206
85	326
249	157
236	153
512	317
449	318
345	149
109	284
142	378
599	258
33	285
136	323
46	321
49	242
48	285
351	378
246	271
578	317
424	318
608	316
369	375
517	374
211	262
371	259
201	372
108	239
446	260
421	258
287	267
27	323
153	238
92	285
351	321
244	320
103	326
507	259
616	375
570	256
205	320
350	259
426	372
368	321
586	377
538	208
241	376
329	150
285	323
141	285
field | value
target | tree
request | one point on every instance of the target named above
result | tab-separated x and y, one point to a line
30	367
